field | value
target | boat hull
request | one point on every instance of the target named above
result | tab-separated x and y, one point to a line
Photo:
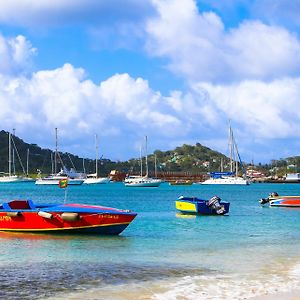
198	206
227	181
142	182
45	181
71	218
100	180
285	201
15	179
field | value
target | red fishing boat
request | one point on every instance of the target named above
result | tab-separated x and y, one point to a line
276	200
26	216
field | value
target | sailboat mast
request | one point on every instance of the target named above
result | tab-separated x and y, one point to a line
146	156
141	161
9	154
155	167
27	162
13	153
52	165
55	155
83	165
231	148
97	154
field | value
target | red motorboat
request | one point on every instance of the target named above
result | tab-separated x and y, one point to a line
275	200
26	216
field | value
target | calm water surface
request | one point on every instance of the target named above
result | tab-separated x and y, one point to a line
162	254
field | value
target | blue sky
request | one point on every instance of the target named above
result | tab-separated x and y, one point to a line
174	70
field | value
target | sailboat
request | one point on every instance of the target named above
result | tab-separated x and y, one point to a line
11	178
232	176
93	178
72	176
142	181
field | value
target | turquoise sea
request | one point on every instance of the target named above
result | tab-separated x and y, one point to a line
162	254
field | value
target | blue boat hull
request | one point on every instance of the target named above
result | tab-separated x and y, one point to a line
198	206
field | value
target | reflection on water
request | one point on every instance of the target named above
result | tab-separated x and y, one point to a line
185	216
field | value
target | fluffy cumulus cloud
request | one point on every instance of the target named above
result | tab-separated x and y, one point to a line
264	110
199	48
16	55
248	73
64	98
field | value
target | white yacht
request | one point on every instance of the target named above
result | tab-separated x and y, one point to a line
93	178
227	180
142	181
231	177
73	177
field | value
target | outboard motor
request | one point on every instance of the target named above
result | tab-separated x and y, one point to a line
264	200
214	204
267	200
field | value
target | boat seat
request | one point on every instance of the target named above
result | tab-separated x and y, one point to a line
21	204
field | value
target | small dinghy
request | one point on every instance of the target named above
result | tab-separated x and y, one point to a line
26	216
193	205
275	200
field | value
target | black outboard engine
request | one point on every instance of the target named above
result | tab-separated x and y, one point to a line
267	200
264	200
214	204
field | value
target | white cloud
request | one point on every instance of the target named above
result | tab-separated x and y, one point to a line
16	55
63	98
200	49
263	110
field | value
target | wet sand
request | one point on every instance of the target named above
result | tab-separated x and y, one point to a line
292	295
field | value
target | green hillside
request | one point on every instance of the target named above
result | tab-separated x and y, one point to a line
38	158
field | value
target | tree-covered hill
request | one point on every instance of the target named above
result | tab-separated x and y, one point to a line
196	158
186	158
39	159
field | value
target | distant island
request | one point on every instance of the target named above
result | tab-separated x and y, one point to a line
195	159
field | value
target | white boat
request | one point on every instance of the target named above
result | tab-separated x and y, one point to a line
229	178
142	181
54	180
9	177
73	177
15	178
93	178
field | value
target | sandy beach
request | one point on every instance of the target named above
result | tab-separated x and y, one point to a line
292	295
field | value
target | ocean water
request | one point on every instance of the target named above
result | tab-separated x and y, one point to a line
162	254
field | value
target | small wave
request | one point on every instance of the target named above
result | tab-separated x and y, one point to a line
226	287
